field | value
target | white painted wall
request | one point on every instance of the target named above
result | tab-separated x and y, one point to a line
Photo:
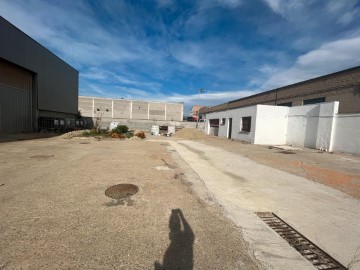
236	115
326	125
271	124
312	125
347	133
302	125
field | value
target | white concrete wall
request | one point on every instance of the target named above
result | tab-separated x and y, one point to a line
347	133
271	124
236	115
326	125
312	125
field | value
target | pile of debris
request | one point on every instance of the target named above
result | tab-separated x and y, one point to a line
73	134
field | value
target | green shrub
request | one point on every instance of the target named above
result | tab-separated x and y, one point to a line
121	129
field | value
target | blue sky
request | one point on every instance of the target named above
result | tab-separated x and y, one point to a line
167	50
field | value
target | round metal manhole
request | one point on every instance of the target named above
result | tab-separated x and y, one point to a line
121	191
42	156
84	143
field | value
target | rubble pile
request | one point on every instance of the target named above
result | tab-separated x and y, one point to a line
75	133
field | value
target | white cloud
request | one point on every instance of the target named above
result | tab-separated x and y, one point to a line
330	57
210	98
230	3
284	6
164	3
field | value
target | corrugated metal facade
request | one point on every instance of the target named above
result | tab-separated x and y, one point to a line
15	98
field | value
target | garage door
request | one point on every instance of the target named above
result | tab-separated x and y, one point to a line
15	98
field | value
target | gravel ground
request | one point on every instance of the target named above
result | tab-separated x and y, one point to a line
54	214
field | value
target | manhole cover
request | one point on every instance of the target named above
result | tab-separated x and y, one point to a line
121	191
42	156
84	143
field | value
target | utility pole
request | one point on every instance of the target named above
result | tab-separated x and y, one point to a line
201	90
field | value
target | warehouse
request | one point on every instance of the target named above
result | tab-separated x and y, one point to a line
37	89
322	113
342	86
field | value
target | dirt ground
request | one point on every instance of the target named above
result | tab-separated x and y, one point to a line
54	213
338	170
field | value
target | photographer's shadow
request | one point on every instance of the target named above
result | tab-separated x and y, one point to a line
179	254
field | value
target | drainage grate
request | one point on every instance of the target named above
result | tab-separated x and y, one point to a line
121	191
319	258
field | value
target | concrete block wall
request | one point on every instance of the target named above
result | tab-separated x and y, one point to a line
130	109
157	111
140	110
146	125
122	108
173	111
103	107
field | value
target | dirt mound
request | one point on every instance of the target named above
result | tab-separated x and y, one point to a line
75	133
189	133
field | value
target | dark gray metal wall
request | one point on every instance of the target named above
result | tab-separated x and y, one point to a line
16	87
57	82
15	110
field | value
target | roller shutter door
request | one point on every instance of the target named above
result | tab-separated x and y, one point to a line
16	87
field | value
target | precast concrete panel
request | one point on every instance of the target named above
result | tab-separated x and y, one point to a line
140	110
122	108
86	106
173	112
103	108
57	82
157	111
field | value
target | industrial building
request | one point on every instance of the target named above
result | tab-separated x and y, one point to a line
327	115
37	89
342	86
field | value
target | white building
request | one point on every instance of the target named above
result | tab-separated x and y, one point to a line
313	126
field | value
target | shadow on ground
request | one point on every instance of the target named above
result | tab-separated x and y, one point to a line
179	254
25	136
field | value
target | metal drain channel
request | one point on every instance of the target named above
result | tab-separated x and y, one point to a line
319	258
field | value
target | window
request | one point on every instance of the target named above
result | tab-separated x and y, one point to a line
245	124
214	122
285	104
313	100
223	120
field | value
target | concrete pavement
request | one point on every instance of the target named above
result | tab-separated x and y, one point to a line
326	216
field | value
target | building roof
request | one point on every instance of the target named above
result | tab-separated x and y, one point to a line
225	106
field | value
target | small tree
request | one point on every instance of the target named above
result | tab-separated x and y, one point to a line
121	129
